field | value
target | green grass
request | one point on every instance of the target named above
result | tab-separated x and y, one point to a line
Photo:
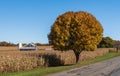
44	71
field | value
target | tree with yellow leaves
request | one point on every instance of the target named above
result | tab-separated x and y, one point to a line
78	31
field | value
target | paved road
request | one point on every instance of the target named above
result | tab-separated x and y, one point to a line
109	67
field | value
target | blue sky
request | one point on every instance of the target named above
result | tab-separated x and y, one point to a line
30	20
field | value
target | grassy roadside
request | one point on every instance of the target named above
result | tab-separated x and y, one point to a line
44	71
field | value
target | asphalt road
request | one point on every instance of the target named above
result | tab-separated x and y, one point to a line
109	67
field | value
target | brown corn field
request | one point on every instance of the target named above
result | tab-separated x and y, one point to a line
12	60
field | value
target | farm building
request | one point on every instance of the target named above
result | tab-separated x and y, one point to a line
29	46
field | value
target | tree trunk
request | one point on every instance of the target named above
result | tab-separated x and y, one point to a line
77	54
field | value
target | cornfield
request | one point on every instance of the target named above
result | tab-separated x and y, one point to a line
26	60
14	60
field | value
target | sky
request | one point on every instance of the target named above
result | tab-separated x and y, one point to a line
31	20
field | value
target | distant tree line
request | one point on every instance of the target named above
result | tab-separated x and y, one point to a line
106	42
39	44
4	43
117	44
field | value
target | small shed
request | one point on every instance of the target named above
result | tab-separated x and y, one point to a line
29	46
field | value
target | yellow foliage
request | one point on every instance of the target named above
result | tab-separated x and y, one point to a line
76	30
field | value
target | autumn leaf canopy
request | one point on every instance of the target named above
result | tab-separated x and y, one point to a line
77	31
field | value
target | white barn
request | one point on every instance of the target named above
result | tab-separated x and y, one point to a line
29	46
